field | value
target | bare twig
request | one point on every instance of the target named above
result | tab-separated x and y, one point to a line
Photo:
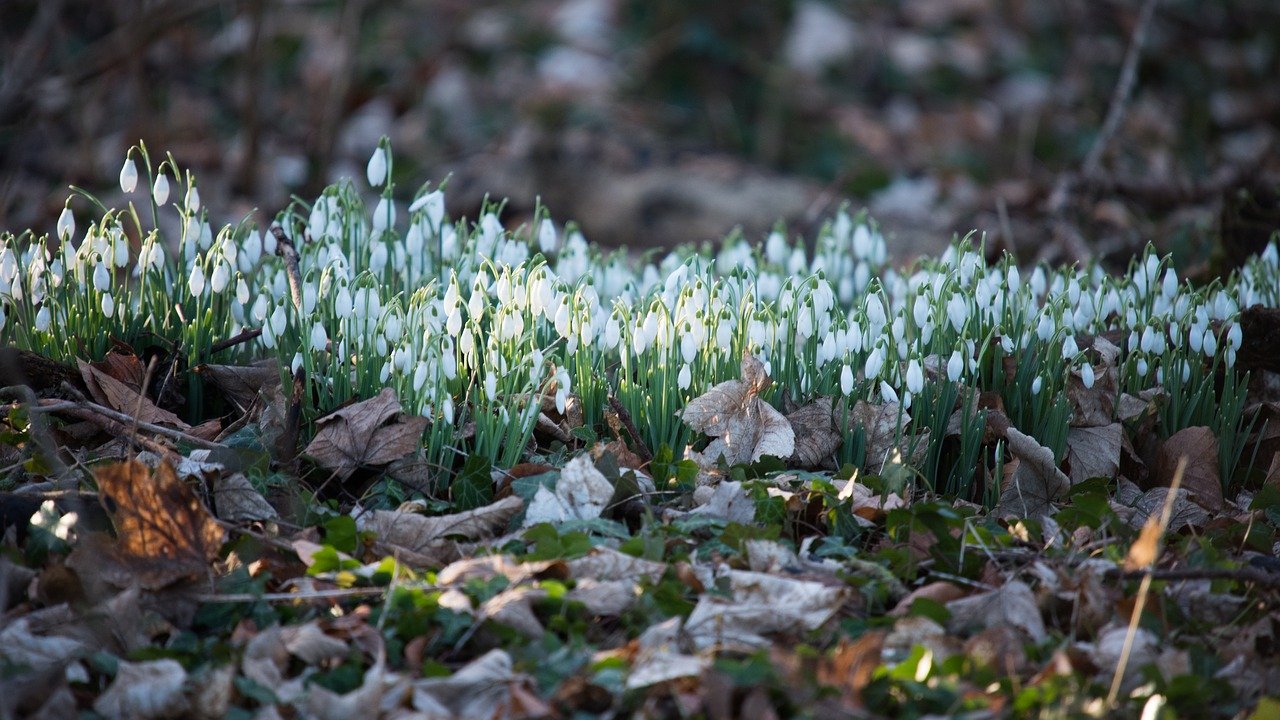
243	336
1251	575
332	594
630	426
286	250
1123	90
82	403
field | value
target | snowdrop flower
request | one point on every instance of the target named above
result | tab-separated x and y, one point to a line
1141	367
490	386
1210	343
1086	375
102	278
875	362
220	277
846	379
376	171
108	305
279	320
195	281
1235	336
1036	385
66	224
384	216
296	364
242	291
1069	347
128	175
1045	328
319	337
160	189
547	240
562	389
192	201
420	376
447	409
875	312
915	377
43	319
955	366
888	394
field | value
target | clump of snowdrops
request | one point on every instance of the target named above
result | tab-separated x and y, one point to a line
472	323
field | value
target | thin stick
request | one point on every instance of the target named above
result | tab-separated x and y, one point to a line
1123	90
337	593
1145	587
243	336
286	250
83	403
630	426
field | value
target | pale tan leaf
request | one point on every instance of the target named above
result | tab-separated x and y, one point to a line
582	492
728	501
310	644
423	534
242	384
370	432
119	396
1012	604
605	564
237	500
19	647
1092	406
759	605
1186	513
150	689
744	427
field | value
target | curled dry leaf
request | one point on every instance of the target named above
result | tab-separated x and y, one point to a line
241	384
1012	604
582	493
1201	479
237	500
606	564
1092	406
1094	451
1110	646
428	536
120	396
487	687
730	502
370	432
1035	483
151	689
163	531
761	604
1186	513
658	657
745	427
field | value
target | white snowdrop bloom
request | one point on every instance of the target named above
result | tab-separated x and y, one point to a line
384	215
1006	344
639	342
1141	367
380	344
453	322
490	386
547	238
685	378
1012	280
1036	385
1210	343
66	224
102	277
3	317
342	304
467	343
775	248
192	200
120	248
376	170
1069	347
242	292
378	257
862	242
1086	375
385	373
269	244
1148	342
688	347
875	312
128	175
1046	327
1152	268
446	409
420	376
220	277
296	364
1230	357
846	379
612	333
875	362
43	319
108	305
268	337
1235	336
888	394
279	321
319	337
160	189
957	312
920	310
206	236
195	281
1038	282
1169	287
259	310
915	377
955	366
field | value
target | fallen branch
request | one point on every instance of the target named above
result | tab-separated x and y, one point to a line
1255	576
243	336
630	426
1123	90
83	404
288	444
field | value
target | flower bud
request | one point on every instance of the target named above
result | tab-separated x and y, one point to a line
128	175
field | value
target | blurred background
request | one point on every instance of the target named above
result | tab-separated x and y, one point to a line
653	122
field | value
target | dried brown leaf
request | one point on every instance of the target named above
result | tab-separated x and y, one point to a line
1036	482
237	500
428	536
119	396
1094	451
816	436
1199	446
1012	604
745	427
163	531
149	689
241	384
371	432
1092	406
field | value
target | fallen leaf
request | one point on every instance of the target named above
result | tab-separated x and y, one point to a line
20	647
1186	513
730	502
1105	653
487	687
1094	451
119	396
429	536
1012	604
1199	446
1036	482
816	436
370	432
606	564
760	605
149	689
939	591
163	531
237	500
879	424
582	492
1092	406
659	659
241	384
309	643
744	427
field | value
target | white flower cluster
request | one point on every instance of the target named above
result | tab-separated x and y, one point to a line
473	321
